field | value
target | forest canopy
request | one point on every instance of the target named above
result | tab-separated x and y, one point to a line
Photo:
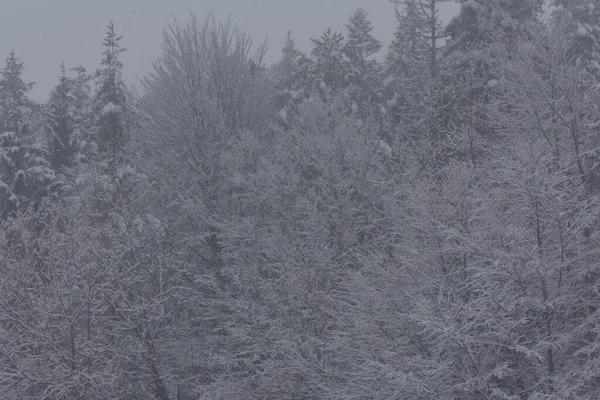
332	226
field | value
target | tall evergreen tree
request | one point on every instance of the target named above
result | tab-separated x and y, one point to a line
418	98
113	114
15	107
287	67
361	46
481	37
420	35
287	70
60	123
81	97
481	23
405	49
24	172
361	43
328	67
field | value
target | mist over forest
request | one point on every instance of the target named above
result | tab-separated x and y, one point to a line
336	225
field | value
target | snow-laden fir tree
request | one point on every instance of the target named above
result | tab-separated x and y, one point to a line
328	67
288	88
361	47
113	115
60	123
478	38
86	148
15	107
417	97
420	35
24	172
361	42
481	23
287	67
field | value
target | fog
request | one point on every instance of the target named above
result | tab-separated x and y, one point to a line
45	33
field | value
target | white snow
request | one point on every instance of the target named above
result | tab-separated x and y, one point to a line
283	115
582	31
111	108
154	221
384	148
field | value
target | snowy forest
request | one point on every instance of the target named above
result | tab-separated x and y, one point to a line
350	223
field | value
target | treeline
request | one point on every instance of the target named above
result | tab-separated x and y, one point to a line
328	227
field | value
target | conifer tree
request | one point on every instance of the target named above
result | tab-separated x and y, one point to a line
482	35
113	115
420	34
15	107
328	67
287	70
415	67
361	46
60	123
24	172
405	48
361	42
86	148
288	64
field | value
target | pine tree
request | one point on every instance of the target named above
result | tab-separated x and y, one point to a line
483	23
483	34
361	43
15	107
113	115
287	66
24	172
418	98
60	123
361	46
405	49
328	67
420	35
86	148
287	95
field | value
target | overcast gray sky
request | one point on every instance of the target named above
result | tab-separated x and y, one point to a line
44	33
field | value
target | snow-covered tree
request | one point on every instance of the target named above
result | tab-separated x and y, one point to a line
60	123
420	33
328	68
24	172
113	114
480	37
83	135
418	99
209	102
585	16
361	43
316	212
288	84
287	67
15	107
205	89
365	77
